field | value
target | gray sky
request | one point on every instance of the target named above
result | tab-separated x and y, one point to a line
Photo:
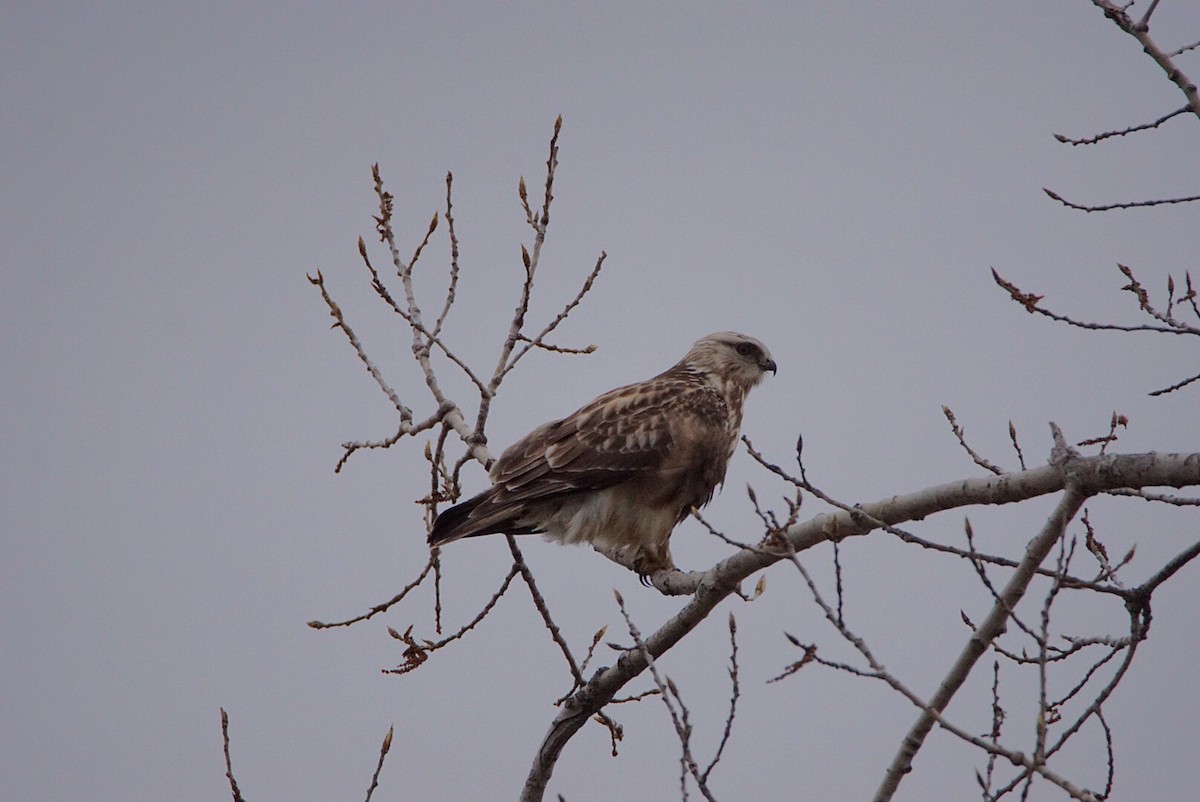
835	181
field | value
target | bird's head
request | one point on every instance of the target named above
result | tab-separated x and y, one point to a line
729	358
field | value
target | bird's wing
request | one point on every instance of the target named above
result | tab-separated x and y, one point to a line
670	425
622	433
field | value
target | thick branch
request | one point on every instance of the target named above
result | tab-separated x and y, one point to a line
1141	32
1087	476
991	628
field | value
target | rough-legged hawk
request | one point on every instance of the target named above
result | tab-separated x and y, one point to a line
622	471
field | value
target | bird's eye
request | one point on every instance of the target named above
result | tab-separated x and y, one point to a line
746	349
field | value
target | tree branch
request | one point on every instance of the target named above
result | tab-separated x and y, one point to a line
982	637
1086	476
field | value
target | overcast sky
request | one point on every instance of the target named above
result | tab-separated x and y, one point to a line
835	179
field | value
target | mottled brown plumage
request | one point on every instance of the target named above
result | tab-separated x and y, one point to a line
622	471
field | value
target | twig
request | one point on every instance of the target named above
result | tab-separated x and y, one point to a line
418	653
1072	499
540	603
733	699
406	428
1108	207
453	286
1030	302
415	323
1092	140
668	690
961	436
530	261
1012	435
383	750
877	671
422	339
587	658
1176	386
709	588
539	340
334	310
859	512
1106	440
379	608
1166	572
1141	33
998	716
1180	51
233	786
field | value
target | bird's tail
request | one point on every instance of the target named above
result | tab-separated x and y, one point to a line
466	520
451	524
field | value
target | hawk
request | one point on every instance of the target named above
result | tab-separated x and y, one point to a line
622	471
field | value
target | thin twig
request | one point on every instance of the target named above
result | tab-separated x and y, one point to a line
977	458
1176	386
422	339
733	699
1030	302
233	786
417	653
336	311
383	750
539	340
1108	207
679	719
414	322
379	608
1012	435
858	512
540	603
453	286
1092	140
1180	51
1072	499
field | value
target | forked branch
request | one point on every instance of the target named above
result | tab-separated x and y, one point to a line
1084	476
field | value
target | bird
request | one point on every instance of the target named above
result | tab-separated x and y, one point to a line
622	471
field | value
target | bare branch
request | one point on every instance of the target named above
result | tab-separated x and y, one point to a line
1072	499
417	653
422	339
904	535
540	603
1176	386
1180	51
530	261
961	436
1087	476
336	311
414	322
1123	132
1168	570
1144	23
453	286
539	340
1141	32
1108	207
679	718
406	428
733	699
1030	302
379	608
1012	435
383	751
233	786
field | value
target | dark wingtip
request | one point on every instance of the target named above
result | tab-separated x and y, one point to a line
446	527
